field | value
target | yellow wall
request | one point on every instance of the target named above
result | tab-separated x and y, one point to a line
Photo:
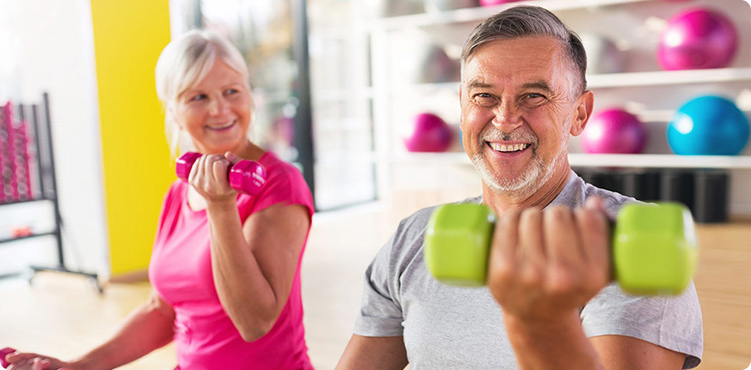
128	37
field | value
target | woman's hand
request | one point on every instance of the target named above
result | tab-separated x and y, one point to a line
34	361
210	177
546	264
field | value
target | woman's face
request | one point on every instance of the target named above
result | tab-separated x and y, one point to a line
216	111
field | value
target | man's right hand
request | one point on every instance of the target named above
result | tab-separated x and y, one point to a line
546	264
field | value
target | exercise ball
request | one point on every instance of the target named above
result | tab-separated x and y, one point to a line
697	39
428	133
603	55
496	2
708	125
614	131
429	63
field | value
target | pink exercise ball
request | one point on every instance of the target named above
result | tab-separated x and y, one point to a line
496	2
697	39
429	133
614	131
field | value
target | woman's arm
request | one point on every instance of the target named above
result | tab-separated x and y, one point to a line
254	263
148	327
253	260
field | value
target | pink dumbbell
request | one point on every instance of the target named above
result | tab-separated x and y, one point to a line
4	352
245	176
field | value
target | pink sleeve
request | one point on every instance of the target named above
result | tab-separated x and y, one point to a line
284	185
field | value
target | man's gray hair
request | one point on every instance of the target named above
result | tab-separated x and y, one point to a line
526	20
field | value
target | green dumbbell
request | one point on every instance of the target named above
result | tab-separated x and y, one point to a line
654	247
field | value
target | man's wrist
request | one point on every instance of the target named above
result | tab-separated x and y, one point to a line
528	328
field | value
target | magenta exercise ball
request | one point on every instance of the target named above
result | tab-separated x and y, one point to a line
614	131
697	39
429	133
496	2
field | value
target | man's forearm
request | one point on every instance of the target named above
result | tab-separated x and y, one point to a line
558	344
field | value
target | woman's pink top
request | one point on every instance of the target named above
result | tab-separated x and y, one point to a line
180	271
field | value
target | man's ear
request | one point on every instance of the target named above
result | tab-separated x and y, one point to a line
583	112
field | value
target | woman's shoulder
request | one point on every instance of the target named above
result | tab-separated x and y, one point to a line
284	183
278	169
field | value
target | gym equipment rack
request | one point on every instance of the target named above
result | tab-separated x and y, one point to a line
20	155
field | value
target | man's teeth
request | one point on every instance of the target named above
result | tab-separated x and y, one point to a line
508	148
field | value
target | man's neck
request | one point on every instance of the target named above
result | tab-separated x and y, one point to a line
501	202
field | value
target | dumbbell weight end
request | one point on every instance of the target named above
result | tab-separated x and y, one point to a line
655	248
457	243
4	352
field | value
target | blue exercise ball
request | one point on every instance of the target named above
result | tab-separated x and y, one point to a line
708	125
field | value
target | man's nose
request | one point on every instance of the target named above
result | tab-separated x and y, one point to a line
506	116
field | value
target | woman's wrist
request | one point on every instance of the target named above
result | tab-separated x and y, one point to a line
220	205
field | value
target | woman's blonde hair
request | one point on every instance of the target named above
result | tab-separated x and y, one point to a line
185	61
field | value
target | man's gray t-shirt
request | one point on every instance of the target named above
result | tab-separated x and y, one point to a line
448	327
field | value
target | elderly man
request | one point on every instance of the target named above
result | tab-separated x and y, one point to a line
548	303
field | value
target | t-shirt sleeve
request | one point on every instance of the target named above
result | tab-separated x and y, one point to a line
285	184
674	323
380	313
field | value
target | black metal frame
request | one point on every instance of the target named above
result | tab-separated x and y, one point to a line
304	116
45	163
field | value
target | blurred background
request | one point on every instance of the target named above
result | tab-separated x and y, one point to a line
362	96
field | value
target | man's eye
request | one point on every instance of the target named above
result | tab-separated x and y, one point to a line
231	91
485	100
533	99
534	96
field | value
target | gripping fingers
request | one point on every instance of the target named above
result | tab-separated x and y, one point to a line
595	239
28	361
562	239
531	239
563	246
504	248
209	175
217	167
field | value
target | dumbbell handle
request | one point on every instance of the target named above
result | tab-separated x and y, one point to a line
245	176
654	247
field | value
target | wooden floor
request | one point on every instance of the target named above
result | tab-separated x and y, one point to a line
63	315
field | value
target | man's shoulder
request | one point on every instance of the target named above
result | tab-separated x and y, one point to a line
613	201
418	220
578	190
409	235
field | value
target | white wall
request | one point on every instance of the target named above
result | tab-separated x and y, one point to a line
55	54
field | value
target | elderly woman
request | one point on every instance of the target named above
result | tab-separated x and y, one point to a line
225	268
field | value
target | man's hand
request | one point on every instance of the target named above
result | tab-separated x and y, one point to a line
546	264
